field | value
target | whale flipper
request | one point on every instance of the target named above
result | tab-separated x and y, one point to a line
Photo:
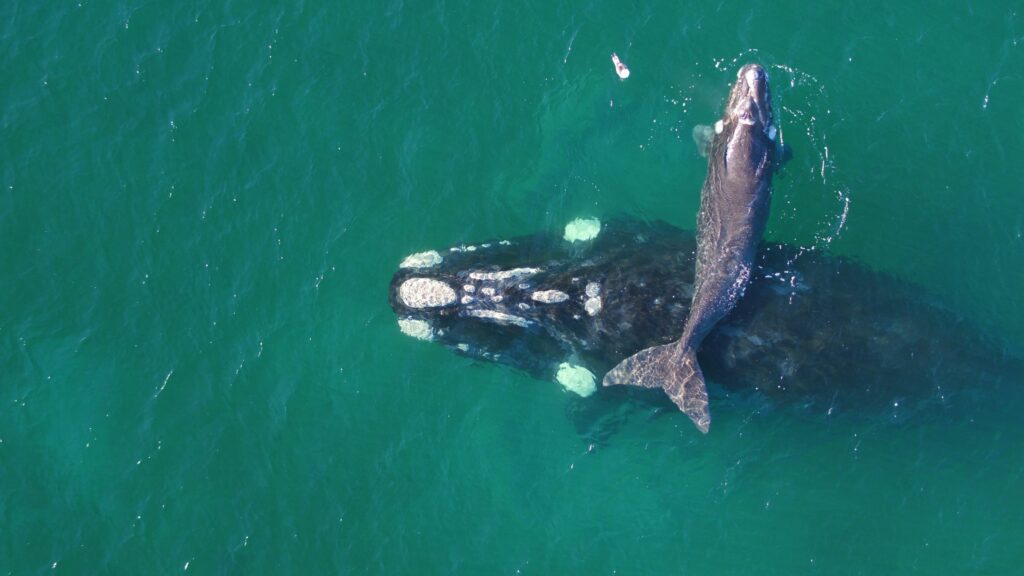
784	155
673	370
703	135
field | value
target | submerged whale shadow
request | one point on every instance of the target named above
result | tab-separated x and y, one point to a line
815	334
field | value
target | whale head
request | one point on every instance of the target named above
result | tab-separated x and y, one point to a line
536	302
750	102
748	125
490	302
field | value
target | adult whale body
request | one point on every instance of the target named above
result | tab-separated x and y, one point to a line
822	333
733	213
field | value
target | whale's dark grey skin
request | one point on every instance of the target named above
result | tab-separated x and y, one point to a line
818	331
733	213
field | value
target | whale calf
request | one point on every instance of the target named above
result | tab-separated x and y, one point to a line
818	331
732	218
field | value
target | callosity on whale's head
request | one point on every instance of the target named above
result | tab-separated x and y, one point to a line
551	305
750	101
747	129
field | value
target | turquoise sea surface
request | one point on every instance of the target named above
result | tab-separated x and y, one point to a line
202	204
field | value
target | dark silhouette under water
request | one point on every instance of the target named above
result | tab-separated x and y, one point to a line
821	332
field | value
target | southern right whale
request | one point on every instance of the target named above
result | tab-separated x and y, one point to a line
820	332
733	213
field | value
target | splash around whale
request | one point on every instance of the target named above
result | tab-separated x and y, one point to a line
821	332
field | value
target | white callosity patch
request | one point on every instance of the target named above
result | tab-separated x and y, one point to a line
549	296
504	274
499	317
467	299
719	126
576	379
422	260
416	328
469	288
771	132
593	303
426	293
487	291
582	229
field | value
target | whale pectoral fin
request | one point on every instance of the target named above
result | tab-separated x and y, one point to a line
702	137
784	154
677	374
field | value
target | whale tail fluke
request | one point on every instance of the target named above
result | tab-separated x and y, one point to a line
674	370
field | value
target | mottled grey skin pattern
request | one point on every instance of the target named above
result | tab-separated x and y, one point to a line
733	213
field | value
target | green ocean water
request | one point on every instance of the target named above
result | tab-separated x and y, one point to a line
202	205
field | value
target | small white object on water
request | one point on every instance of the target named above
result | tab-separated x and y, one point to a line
576	379
582	229
620	68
